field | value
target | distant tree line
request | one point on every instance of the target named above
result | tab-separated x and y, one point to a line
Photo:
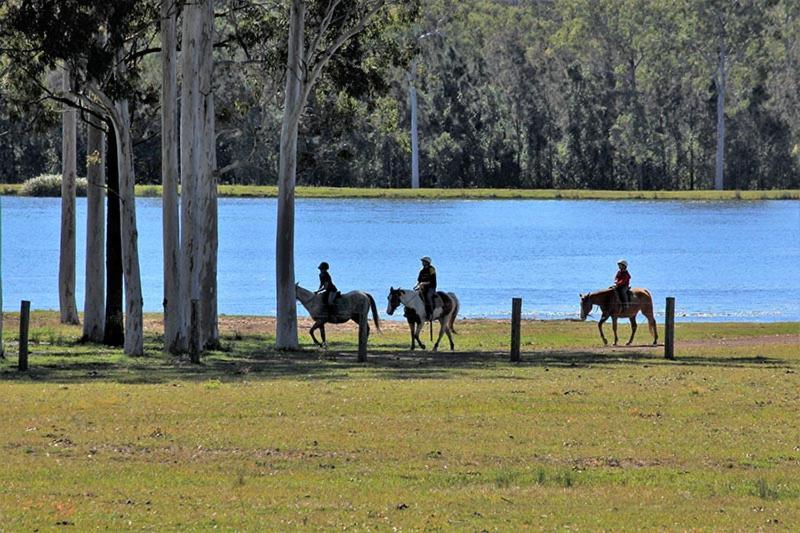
610	94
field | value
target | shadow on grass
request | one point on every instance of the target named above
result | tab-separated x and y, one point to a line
252	358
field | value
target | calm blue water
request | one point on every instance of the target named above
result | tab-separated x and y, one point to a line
721	260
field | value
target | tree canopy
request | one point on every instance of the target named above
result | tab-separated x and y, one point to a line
530	93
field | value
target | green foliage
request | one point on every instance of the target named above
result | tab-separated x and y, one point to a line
570	94
50	185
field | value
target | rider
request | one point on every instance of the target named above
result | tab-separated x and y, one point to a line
426	284
622	282
327	288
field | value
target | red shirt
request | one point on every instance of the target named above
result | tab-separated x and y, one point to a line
622	279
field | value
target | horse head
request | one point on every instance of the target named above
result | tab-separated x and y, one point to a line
586	305
394	300
303	295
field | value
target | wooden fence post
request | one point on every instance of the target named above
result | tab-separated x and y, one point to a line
516	315
669	329
363	334
194	332
24	320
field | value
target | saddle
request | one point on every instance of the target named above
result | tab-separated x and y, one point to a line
441	301
632	299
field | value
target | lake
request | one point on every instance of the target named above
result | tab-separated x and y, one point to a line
731	261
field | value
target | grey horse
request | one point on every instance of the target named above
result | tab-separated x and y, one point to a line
353	305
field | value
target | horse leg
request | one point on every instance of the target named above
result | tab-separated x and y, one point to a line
441	333
417	331
450	337
322	332
411	330
600	327
614	327
633	330
311	331
651	321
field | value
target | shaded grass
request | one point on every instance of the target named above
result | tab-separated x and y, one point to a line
271	191
575	436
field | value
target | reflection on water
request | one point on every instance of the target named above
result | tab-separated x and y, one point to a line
721	260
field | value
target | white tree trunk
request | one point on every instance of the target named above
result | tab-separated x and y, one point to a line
169	177
94	311
2	347
191	140
134	335
286	324
412	81
208	184
69	163
721	88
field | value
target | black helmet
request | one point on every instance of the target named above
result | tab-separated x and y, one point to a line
323	266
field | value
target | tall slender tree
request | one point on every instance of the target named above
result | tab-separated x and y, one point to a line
114	329
66	263
336	22
94	307
198	179
169	176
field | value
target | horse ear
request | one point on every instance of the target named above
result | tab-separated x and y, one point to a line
580	294
391	288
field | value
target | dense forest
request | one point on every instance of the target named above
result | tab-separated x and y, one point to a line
606	94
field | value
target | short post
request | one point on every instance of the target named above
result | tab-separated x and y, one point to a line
24	321
363	334
194	332
669	329
516	317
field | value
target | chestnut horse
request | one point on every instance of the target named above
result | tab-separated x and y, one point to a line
611	306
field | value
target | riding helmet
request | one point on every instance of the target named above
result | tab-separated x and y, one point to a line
426	259
323	266
623	262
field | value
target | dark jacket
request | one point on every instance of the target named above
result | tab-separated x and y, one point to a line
325	282
428	275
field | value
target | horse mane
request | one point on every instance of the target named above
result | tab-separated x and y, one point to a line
601	292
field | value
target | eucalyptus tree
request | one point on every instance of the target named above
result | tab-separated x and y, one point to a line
332	24
69	171
94	306
170	176
723	34
101	44
198	269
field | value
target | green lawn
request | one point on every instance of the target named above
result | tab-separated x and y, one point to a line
576	435
270	191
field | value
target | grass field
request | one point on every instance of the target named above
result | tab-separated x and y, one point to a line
271	191
575	436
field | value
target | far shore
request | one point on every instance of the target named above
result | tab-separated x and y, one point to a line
271	191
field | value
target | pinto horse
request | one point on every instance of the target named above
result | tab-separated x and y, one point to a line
610	306
445	311
353	305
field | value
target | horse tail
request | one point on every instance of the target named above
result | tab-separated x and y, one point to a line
647	311
375	316
453	313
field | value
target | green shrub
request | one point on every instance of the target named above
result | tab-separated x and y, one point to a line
50	185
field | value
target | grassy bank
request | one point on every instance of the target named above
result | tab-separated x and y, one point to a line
575	436
267	191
